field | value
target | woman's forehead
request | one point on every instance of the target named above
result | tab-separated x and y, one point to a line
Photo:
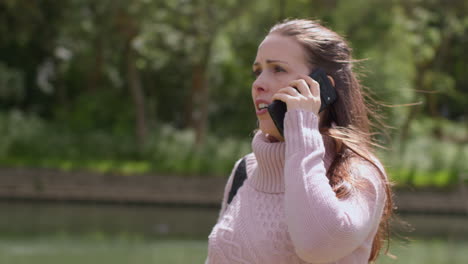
278	47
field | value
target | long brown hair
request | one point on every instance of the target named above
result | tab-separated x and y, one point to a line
346	121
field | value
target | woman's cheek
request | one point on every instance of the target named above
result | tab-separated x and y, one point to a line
285	79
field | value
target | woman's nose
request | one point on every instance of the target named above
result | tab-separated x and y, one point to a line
259	85
259	89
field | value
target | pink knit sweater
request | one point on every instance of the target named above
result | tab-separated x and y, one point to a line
286	212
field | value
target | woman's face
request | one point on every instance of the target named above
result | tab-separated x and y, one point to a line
279	61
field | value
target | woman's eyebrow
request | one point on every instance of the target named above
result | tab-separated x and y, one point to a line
271	61
276	61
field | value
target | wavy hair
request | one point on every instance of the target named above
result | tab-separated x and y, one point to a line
346	121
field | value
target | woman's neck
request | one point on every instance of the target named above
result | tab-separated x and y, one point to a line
271	138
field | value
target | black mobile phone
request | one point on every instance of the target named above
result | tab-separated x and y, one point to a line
328	96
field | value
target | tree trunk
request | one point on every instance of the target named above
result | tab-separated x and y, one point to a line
95	76
282	9
61	94
197	107
198	114
96	71
136	91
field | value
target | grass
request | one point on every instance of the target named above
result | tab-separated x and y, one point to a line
93	165
402	177
440	178
72	250
428	252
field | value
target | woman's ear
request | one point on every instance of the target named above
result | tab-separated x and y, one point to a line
331	80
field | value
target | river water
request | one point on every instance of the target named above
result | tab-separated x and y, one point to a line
36	218
23	223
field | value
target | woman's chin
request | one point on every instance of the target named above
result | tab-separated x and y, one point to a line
271	132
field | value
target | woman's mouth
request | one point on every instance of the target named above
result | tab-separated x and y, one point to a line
262	107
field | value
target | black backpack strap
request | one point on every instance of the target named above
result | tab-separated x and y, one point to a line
239	178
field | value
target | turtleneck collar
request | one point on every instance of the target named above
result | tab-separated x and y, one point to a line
269	175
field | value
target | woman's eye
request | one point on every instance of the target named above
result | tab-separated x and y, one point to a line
279	69
256	73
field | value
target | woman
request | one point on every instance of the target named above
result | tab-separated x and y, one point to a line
318	194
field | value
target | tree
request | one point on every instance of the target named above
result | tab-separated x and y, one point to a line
199	23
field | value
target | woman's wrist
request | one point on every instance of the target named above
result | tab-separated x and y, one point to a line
301	131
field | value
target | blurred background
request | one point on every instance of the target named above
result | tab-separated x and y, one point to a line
120	95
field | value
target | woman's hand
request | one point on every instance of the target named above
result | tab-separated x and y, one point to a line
306	98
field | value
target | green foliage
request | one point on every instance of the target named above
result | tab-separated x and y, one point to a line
175	151
427	158
15	127
11	84
31	142
100	110
69	71
423	159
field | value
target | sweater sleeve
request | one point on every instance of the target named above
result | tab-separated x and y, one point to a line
322	227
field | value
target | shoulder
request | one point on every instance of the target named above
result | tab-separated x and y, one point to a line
247	162
250	163
369	174
367	167
373	188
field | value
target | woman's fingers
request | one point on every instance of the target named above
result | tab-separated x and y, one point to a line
314	87
282	97
289	90
302	94
285	94
302	86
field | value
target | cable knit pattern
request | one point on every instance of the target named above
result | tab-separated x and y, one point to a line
286	211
